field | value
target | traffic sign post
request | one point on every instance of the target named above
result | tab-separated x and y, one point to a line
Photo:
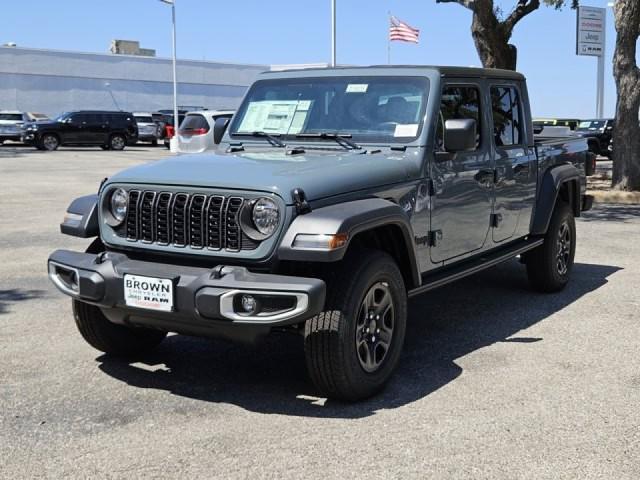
590	41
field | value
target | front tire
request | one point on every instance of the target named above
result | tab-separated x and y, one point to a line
50	142
111	338
354	345
549	265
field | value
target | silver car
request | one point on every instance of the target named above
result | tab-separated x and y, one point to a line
148	130
195	134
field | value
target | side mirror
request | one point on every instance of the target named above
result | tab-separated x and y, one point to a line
460	135
219	128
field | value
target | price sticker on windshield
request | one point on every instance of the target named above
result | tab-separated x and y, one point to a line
357	88
410	130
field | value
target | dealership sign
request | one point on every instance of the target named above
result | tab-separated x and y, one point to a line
590	31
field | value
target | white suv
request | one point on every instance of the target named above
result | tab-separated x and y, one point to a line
195	134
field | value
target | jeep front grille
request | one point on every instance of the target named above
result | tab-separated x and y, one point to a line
186	220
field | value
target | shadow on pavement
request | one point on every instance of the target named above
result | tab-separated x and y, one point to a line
444	325
15	295
612	213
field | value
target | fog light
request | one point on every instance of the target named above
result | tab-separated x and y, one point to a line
249	303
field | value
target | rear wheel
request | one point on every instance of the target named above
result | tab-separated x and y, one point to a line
354	345
549	265
111	338
154	143
49	142
117	142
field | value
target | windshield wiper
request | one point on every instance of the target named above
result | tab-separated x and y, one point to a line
342	140
270	138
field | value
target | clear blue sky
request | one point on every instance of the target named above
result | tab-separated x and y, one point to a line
298	31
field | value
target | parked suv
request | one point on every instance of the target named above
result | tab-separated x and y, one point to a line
195	134
108	130
147	128
334	197
12	125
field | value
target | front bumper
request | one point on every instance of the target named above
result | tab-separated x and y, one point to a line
203	298
29	138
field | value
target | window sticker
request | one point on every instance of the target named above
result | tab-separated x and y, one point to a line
409	130
276	116
357	88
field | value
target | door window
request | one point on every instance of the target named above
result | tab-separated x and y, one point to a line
507	127
458	102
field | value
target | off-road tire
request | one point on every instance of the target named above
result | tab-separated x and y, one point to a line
543	263
117	142
332	357
111	338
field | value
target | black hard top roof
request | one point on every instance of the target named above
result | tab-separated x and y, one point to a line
447	71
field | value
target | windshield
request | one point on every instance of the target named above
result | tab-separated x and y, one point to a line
62	117
144	119
16	117
591	125
370	109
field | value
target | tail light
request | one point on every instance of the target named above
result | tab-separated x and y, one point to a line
194	131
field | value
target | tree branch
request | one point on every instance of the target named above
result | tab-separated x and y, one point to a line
524	8
470	4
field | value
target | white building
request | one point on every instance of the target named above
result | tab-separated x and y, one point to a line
51	82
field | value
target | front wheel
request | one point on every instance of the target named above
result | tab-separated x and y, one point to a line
549	265
50	142
117	142
111	338
354	345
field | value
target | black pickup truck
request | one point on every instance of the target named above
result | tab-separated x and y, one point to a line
336	195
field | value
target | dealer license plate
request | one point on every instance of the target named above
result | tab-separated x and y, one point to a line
148	292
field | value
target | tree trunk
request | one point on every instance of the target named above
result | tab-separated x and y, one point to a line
626	136
492	42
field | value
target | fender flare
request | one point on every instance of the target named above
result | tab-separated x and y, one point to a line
351	218
552	182
81	219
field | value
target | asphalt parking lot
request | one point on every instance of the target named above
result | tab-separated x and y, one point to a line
495	382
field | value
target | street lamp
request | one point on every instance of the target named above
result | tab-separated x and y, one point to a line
173	143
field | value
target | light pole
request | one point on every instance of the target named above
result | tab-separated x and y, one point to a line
333	33
173	143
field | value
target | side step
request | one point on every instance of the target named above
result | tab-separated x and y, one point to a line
469	267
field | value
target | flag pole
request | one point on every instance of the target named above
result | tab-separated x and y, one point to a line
389	40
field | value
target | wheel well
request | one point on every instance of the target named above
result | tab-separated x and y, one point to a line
570	193
389	239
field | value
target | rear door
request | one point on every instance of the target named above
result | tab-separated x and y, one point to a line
514	161
463	182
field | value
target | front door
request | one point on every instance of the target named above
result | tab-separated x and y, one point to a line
463	182
514	161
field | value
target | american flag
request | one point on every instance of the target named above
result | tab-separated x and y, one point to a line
402	32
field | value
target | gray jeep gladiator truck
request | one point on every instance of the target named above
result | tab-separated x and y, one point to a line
335	195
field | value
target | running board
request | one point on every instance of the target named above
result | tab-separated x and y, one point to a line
456	272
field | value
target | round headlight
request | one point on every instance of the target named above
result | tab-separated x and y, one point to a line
265	216
118	204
